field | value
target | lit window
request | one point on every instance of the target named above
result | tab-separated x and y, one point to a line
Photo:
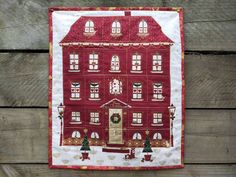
157	118
137	118
137	136
94	117
74	61
93	62
115	64
94	135
116	27
94	90
157	92
143	28
75	90
89	27
75	116
157	136
137	91
115	87
157	63
75	134
136	62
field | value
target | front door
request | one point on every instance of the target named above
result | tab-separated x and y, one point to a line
115	126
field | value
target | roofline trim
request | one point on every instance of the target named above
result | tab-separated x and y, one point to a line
114	44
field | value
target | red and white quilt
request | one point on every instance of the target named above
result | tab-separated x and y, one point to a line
116	88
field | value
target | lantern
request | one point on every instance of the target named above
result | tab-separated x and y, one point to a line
172	109
61	109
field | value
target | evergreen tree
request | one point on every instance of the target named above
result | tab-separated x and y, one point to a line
147	145
85	144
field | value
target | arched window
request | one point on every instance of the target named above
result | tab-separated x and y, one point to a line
94	135
89	27
157	136
115	63
115	28
115	86
75	134
137	136
143	28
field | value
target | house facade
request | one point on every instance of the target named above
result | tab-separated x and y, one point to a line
116	81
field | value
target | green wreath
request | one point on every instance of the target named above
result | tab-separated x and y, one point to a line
115	118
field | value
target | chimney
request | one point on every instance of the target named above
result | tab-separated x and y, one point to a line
127	13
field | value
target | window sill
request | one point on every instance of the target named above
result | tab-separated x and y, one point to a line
157	125
75	122
143	34
157	72
93	71
73	70
132	71
74	99
116	34
94	123
112	71
89	33
154	99
95	99
133	99
138	125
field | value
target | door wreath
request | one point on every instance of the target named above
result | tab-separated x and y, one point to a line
115	118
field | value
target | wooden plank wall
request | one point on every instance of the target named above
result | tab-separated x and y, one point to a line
210	63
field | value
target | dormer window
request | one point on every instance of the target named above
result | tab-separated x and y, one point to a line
116	28
89	28
143	28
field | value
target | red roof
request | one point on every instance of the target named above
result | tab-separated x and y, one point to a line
129	30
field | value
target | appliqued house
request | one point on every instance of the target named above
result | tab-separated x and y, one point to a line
116	81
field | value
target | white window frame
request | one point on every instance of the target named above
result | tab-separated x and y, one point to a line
115	87
76	134
94	135
115	64
94	91
89	27
137	118
137	136
157	63
143	27
137	91
157	136
93	62
116	28
157	92
94	118
136	63
74	62
157	119
75	91
75	116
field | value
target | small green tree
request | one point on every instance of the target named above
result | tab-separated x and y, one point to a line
147	145
85	144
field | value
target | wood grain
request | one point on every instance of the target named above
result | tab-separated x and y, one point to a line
210	136
210	80
189	171
209	25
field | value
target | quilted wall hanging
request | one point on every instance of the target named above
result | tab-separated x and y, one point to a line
116	88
